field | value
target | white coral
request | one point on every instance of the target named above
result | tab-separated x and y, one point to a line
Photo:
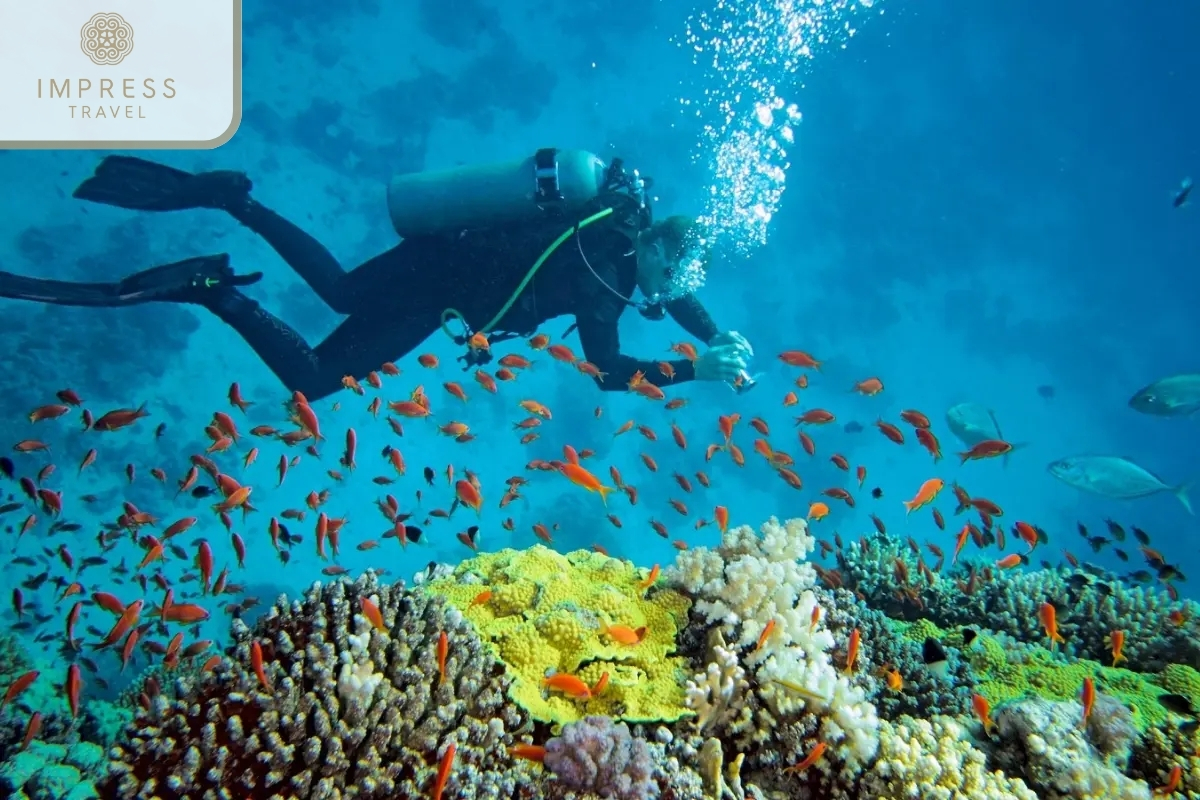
750	581
716	694
934	760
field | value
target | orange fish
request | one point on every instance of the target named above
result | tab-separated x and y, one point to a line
1010	561
799	358
721	515
529	752
569	685
443	773
852	650
869	387
1087	697
371	612
73	687
1048	616
813	757
256	663
18	686
1172	785
983	712
469	496
582	478
1116	640
925	495
443	649
988	448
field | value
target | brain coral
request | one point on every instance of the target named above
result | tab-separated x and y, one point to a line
544	615
348	710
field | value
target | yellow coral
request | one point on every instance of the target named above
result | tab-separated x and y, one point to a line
545	616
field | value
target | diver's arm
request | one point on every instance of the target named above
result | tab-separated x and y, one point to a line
601	340
692	317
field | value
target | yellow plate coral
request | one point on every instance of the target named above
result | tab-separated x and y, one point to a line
545	615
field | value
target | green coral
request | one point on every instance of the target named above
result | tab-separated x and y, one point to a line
1007	673
545	614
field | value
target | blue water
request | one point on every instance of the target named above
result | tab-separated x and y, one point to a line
978	203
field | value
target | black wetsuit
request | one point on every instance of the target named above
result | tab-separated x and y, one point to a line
395	300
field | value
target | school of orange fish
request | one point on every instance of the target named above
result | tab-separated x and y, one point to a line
116	610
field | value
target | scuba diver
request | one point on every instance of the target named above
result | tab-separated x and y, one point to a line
498	249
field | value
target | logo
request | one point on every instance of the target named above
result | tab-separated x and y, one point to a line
121	74
106	39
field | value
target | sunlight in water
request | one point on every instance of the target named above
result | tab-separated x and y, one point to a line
748	48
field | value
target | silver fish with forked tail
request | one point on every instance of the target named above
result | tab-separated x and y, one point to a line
1174	396
1115	477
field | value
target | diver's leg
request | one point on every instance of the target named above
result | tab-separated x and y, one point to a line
359	345
310	259
141	185
277	344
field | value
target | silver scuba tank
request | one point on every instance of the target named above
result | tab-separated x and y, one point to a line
548	183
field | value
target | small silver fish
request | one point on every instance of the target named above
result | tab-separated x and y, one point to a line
1173	396
1115	477
972	423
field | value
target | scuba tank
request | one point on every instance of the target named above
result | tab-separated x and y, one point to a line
548	184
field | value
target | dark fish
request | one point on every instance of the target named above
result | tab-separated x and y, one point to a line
1045	391
177	551
65	527
1177	704
934	656
1181	196
1083	531
877	493
969	635
1189	726
91	665
1141	535
1116	530
34	583
1168	572
200	492
24	561
1078	580
8	508
1097	543
1121	554
429	475
1046	564
1103	589
6	467
285	556
852	427
413	533
94	561
160	430
1141	576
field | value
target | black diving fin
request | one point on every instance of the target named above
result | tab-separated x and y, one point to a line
141	185
193	280
189	281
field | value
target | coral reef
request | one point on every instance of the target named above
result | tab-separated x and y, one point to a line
934	760
758	590
545	614
340	708
62	772
1089	607
599	756
1043	742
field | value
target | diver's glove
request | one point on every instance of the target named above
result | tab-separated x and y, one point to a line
734	338
722	362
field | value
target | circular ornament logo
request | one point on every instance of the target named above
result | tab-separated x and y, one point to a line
106	39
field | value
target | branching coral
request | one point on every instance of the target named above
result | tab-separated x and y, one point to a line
342	710
934	760
761	588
